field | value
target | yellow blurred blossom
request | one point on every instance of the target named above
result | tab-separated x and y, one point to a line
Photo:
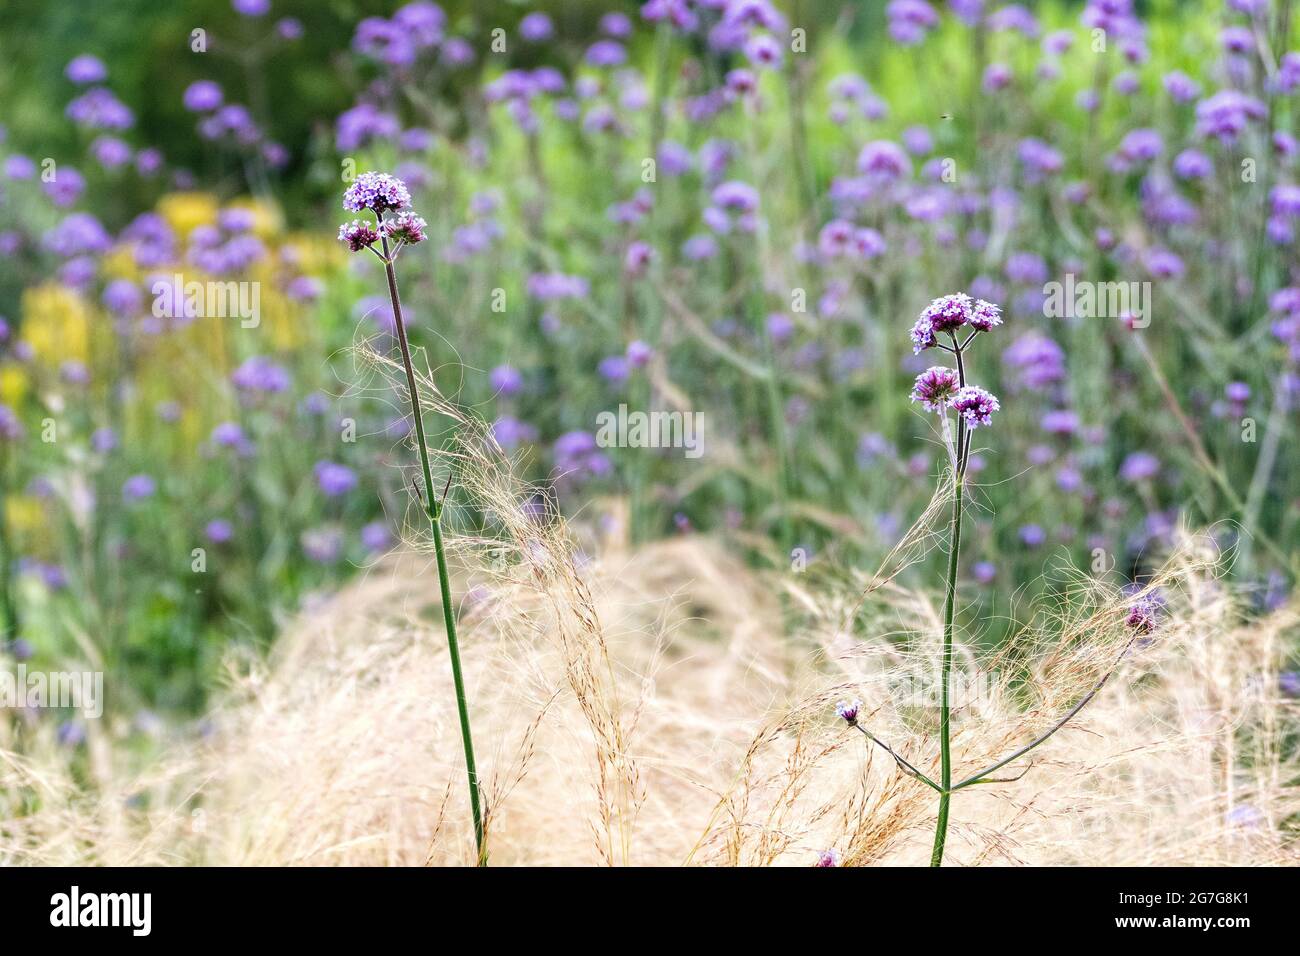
313	254
24	514
56	324
185	211
13	384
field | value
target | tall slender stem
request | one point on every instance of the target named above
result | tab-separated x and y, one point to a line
433	508
949	606
945	713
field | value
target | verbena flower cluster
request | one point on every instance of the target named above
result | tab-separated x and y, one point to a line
959	318
380	193
949	313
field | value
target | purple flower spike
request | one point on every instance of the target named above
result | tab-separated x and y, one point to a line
934	388
378	192
357	234
976	405
848	710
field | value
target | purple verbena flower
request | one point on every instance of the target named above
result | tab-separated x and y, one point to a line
378	192
1142	616
976	405
848	710
934	388
358	234
406	227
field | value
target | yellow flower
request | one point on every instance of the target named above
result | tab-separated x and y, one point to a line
13	384
314	255
56	323
24	514
119	263
185	211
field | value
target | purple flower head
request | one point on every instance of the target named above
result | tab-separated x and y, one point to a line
699	248
984	316
884	160
944	314
1225	114
77	234
358	234
577	456
848	710
638	257
230	435
639	353
1139	466
406	227
613	369
934	388
1060	421
11	429
378	192
202	96
219	531
1164	264
975	405
19	166
510	432
536	27
334	479
251	8
1039	159
1181	87
506	380
997	76
763	51
557	285
606	53
260	374
828	858
98	108
103	440
909	20
1142	616
71	733
86	69
138	487
376	538
1032	535
1192	164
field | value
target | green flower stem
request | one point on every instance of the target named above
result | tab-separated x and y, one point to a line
949	606
433	508
945	713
